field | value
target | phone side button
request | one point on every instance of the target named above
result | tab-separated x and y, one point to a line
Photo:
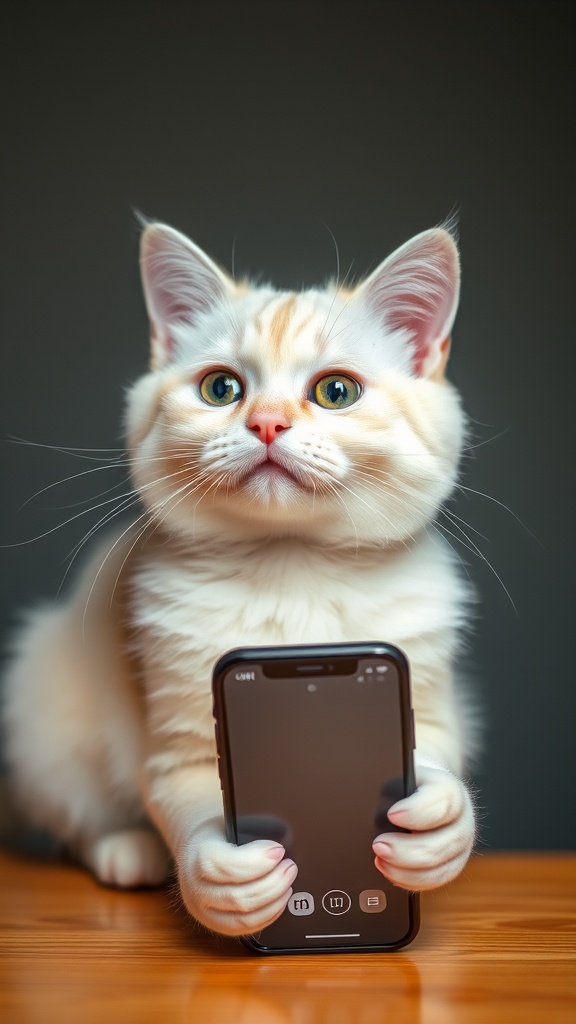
413	728
217	735
219	772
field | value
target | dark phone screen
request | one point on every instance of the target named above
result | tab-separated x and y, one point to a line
315	762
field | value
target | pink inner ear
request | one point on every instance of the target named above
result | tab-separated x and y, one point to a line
163	344
425	314
172	306
416	291
170	309
180	282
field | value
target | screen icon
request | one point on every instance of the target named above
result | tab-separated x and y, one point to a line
336	901
372	901
301	904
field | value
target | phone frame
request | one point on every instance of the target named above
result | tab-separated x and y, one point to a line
308	652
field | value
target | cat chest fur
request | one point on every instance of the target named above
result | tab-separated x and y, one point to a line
189	609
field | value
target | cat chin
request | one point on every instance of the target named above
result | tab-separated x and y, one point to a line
272	497
271	484
310	521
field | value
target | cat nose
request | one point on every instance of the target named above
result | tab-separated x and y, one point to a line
267	426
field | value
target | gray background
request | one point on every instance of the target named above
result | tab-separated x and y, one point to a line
254	125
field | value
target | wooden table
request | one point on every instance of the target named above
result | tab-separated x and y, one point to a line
496	946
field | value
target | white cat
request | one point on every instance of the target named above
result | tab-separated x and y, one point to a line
291	452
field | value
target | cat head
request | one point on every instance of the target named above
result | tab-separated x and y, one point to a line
323	413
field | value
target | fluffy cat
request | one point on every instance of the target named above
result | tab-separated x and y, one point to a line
290	451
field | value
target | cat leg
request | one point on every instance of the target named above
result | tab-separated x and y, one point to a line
73	742
439	817
233	890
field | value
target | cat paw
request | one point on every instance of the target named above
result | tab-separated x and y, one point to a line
129	859
235	890
440	818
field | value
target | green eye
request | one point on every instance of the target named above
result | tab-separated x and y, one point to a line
221	388
336	391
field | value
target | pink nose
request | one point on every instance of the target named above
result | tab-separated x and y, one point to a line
267	426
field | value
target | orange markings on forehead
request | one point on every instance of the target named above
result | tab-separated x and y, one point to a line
279	323
302	326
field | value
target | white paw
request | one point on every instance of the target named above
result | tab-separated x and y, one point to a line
440	820
234	890
135	857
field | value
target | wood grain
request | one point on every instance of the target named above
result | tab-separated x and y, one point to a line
496	946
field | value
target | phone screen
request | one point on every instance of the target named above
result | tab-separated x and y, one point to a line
314	760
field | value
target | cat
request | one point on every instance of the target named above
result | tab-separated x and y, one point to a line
291	452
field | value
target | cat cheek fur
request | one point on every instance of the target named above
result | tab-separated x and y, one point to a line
108	705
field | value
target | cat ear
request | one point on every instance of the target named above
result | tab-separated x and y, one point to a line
416	291
179	282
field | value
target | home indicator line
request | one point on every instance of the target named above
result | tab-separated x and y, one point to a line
340	935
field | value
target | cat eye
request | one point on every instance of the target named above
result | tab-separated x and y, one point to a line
221	388
336	391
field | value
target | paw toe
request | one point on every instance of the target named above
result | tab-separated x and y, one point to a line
129	859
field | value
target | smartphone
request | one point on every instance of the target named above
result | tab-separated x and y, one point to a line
315	744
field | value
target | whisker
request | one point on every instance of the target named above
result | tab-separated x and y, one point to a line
65	450
102	564
370	507
125	501
111	464
332	236
139	533
353	323
151	520
102	522
68	479
84	501
391	492
340	497
488	440
186	491
337	277
489	497
131	497
54	529
392	486
473	547
443	510
146	515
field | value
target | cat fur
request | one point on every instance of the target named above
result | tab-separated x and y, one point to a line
323	534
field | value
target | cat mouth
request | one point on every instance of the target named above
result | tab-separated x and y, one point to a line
272	470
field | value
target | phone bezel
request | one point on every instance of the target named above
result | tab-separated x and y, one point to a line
306	653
